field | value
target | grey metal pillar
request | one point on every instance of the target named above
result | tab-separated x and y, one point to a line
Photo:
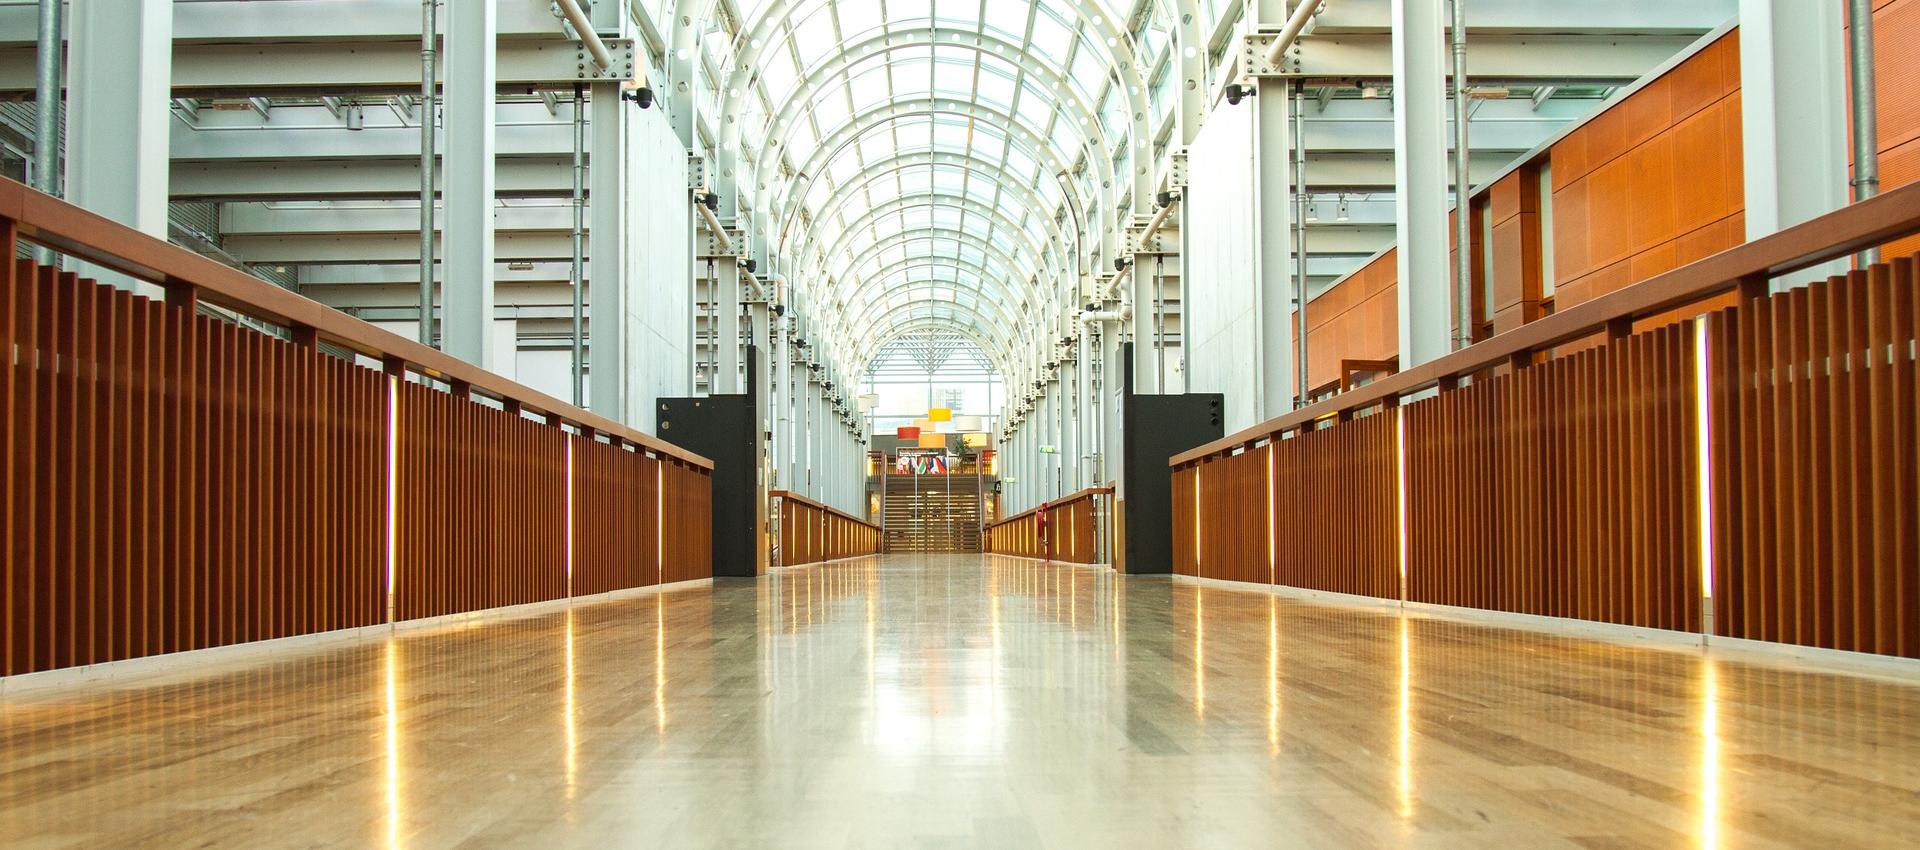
467	306
609	293
429	113
1792	114
726	312
1273	261
1420	179
121	61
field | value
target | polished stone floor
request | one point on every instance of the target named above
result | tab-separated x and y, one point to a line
966	701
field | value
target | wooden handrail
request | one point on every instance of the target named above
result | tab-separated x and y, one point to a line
1070	498
796	497
1747	268
189	277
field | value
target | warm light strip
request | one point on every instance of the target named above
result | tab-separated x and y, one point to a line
393	745
1703	449
1709	755
1404	788
1400	488
1199	653
1273	677
573	737
393	487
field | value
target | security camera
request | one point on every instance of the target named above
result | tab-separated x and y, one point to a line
642	96
750	264
1235	92
1119	264
711	201
1164	199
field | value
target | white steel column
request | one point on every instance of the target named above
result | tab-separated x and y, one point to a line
467	300
607	293
1793	117
120	73
1273	255
1420	179
726	335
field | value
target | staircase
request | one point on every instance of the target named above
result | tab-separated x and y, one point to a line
932	513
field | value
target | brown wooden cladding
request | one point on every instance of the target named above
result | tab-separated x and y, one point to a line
1336	508
811	533
1072	532
483	507
177	482
686	522
1232	517
1816	487
1566	489
616	517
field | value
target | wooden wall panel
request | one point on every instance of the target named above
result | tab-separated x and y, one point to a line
1661	166
176	482
1896	45
1562	489
1817	488
1357	319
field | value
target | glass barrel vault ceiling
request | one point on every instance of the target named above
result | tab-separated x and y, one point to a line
921	159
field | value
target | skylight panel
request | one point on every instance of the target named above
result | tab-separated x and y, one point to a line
869	87
830	111
953	74
857	16
1008	17
813	36
1050	36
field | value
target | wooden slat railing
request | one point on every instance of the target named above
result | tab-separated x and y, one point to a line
174	480
811	532
1077	529
1751	472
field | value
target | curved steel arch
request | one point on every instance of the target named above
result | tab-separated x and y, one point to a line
867	250
884	277
879	117
1048	78
940	200
901	161
751	41
932	158
990	271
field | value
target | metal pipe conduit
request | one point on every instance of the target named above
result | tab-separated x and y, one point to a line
1866	133
429	33
583	27
46	110
1302	14
1462	181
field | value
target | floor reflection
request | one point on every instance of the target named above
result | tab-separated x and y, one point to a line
966	701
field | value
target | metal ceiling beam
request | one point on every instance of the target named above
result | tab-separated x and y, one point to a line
317	68
1515	17
1558	58
321	179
